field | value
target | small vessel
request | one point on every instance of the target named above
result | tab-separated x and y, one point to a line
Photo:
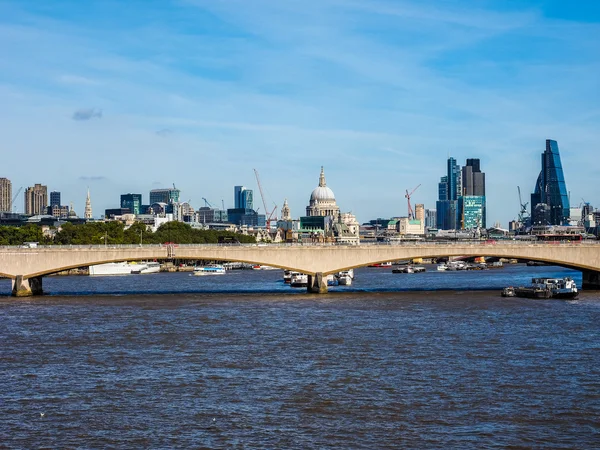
332	280
383	264
299	279
345	277
410	269
287	276
263	267
442	267
561	288
211	269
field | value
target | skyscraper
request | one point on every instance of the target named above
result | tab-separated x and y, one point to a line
449	189
550	190
54	198
472	207
5	195
243	197
36	200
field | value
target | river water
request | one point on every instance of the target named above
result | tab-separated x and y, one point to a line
427	360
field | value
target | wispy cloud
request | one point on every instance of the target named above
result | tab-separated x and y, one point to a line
87	114
77	80
164	132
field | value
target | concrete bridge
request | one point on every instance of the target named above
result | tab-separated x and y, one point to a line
27	266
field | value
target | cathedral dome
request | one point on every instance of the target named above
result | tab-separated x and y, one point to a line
322	193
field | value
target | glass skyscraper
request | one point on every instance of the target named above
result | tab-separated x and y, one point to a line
243	197
132	202
550	190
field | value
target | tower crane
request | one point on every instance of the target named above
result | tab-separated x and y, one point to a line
523	214
411	213
207	203
268	214
12	202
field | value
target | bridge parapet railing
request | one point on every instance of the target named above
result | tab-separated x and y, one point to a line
436	243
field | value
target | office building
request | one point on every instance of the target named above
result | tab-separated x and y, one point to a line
449	188
430	218
243	197
550	190
420	213
54	198
132	202
247	217
168	196
5	195
36	200
472	208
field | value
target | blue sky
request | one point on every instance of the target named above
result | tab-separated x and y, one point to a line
129	96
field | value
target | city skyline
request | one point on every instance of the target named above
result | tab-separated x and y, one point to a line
198	93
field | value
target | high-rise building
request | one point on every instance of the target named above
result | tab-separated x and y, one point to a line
420	213
449	189
550	190
36	200
430	218
133	202
243	197
472	207
5	195
170	195
54	198
454	180
461	196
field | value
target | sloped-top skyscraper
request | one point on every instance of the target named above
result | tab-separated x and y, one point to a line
550	198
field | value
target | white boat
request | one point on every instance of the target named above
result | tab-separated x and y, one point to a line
287	276
299	280
211	269
345	277
118	268
147	267
442	267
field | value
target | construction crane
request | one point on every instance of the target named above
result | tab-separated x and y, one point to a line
207	203
523	214
268	214
411	213
12	202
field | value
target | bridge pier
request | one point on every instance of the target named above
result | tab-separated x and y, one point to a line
27	287
590	280
317	284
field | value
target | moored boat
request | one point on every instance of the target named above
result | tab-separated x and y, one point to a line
117	268
561	288
211	269
299	279
382	264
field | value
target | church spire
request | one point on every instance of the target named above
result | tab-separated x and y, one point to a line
88	206
285	211
322	178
